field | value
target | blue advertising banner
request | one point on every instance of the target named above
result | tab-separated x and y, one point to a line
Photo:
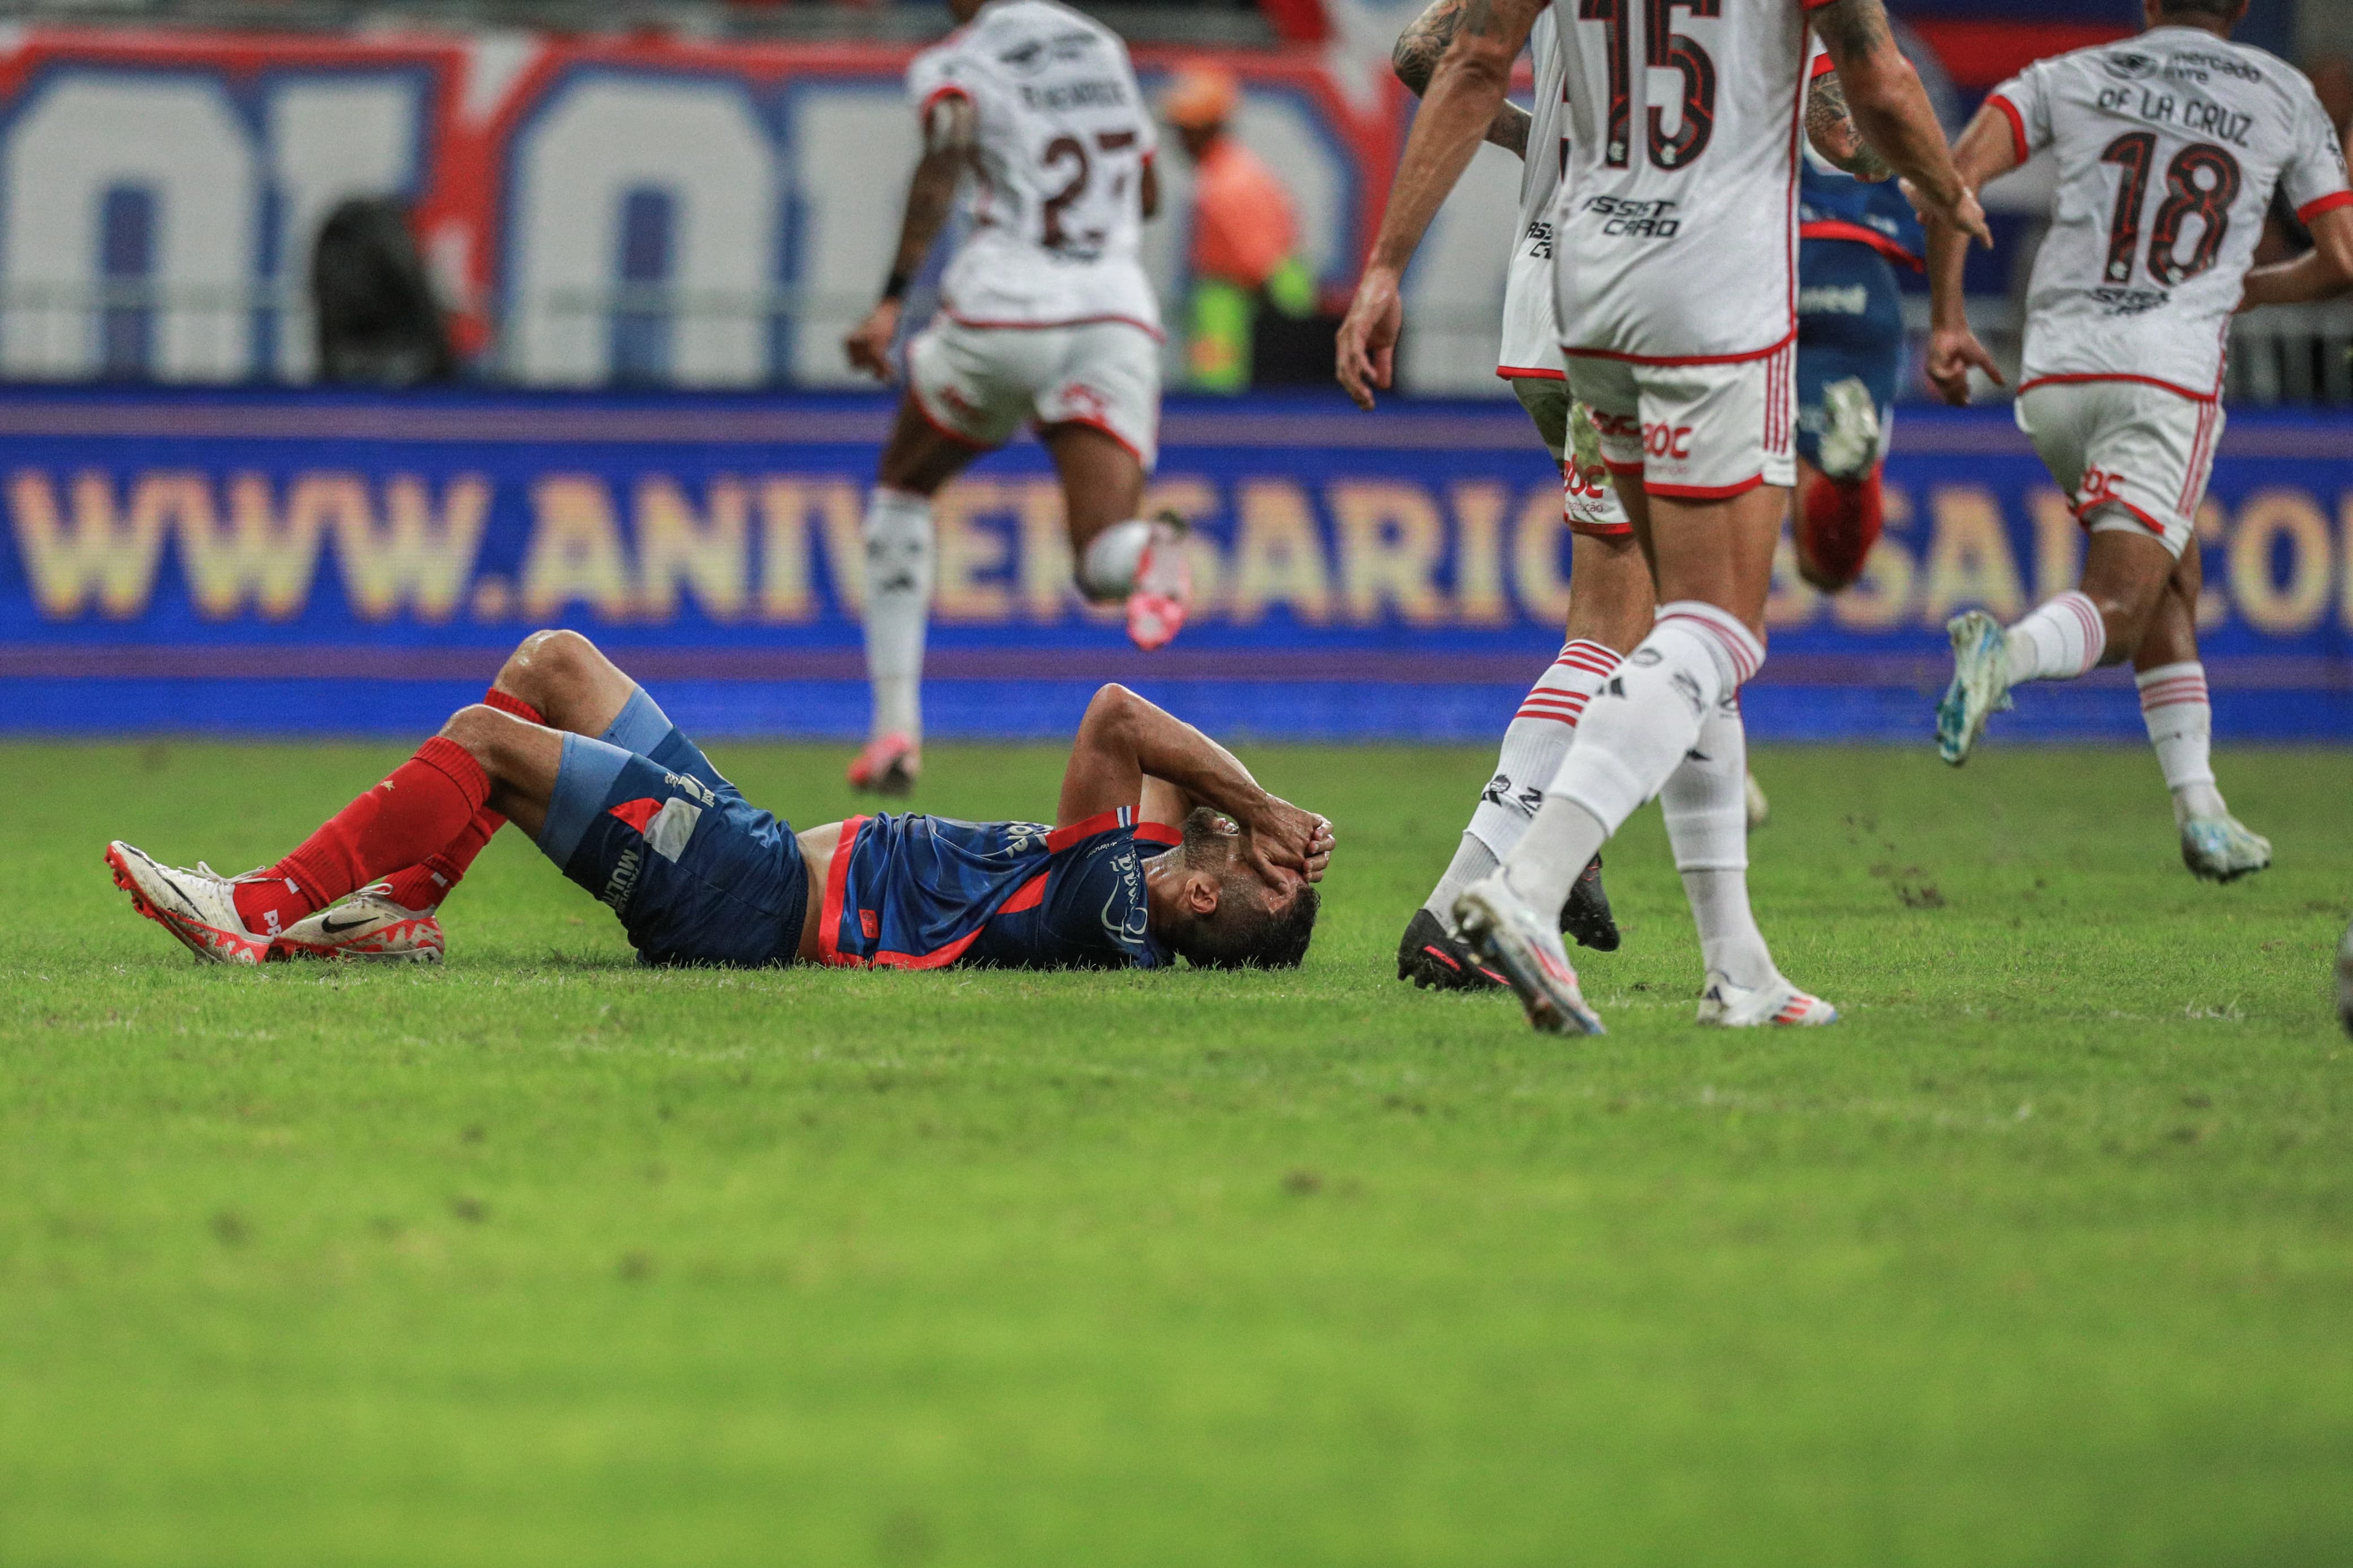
260	562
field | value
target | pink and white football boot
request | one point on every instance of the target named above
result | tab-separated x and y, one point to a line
367	925
889	765
1778	1003
198	907
1162	591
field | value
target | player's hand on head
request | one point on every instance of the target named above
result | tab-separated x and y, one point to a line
1284	840
1953	352
1366	350
869	343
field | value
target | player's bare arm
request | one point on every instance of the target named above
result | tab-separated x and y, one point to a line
1987	151
1830	129
1423	43
1891	109
948	134
2321	273
1467	87
1124	743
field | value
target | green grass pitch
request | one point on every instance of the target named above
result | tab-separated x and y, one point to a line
2044	1256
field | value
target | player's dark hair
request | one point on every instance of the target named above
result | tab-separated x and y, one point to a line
1244	934
2218	10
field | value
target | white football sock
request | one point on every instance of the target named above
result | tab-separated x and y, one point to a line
898	604
2173	703
2060	639
1107	570
1633	735
1535	741
1706	801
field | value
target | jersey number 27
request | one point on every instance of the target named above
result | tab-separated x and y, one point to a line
2202	182
1663	48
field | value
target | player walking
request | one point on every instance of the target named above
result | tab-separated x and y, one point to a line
1675	239
1140	867
1045	316
2170	146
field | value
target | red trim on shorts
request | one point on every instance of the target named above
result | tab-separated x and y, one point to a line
2018	142
1061	838
2135	380
1142	461
1833	228
915	400
1154	333
836	884
2328	203
1670	361
939	959
1601	529
1526	373
1622	470
945	89
1703	492
2139	516
2193	482
1031	895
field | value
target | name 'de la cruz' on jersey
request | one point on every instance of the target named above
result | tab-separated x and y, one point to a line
2170	146
1676	225
923	892
1064	136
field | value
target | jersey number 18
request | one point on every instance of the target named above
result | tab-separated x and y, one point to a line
2185	197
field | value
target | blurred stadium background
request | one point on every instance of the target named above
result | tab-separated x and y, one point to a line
586	280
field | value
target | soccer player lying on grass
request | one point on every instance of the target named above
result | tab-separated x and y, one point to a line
1162	845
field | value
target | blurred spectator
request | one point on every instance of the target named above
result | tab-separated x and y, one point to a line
2332	77
1244	231
378	322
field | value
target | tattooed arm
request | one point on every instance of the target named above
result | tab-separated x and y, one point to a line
1832	131
1465	91
1420	48
1890	110
950	129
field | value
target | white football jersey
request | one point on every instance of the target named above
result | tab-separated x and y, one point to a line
2169	148
1531	344
1676	225
1057	207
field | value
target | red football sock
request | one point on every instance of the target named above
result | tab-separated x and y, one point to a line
1841	522
421	807
425	885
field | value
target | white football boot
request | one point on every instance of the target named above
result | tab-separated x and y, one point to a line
199	906
367	925
1729	1006
1849	443
2222	848
1498	925
1163	590
1981	685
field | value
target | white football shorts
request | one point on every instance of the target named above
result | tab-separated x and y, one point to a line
2129	455
1694	432
1588	499
980	385
1531	330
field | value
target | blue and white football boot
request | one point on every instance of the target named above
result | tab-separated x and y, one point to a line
2222	848
1981	685
1527	950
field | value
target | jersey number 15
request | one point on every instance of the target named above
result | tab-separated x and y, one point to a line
1663	48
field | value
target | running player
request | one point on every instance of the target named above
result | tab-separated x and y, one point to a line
1854	227
1609	608
1046	317
1164	845
1679	337
2170	146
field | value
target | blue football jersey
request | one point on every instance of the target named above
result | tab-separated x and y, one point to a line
1834	204
915	891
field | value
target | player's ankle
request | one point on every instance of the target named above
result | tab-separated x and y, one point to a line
2196	800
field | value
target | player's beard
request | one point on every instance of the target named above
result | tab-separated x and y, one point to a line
1207	846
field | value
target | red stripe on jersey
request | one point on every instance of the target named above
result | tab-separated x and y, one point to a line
1528	373
2328	203
1061	838
1672	362
940	960
635	813
946	90
837	882
1831	228
1158	833
1031	894
2018	144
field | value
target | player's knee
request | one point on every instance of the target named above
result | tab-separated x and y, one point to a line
547	665
479	729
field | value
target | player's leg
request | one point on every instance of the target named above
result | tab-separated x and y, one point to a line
1711	534
1098	412
2175	705
2128	455
953	411
1850	349
1609	611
